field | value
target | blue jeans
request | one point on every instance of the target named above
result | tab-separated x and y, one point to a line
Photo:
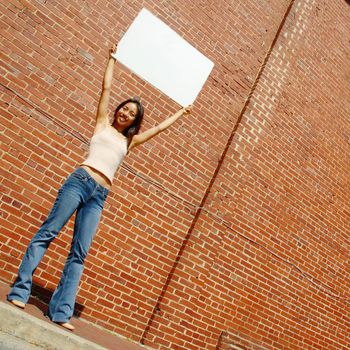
80	193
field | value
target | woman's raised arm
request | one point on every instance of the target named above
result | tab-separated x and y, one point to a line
102	109
145	136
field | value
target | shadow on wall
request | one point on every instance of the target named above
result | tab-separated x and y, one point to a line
41	298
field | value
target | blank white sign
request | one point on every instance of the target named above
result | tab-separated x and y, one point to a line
157	54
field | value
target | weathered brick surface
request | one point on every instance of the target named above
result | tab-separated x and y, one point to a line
231	229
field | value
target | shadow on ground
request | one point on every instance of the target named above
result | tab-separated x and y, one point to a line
40	298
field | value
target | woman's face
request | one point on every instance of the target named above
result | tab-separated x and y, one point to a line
125	116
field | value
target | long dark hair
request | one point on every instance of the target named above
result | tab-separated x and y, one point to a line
134	128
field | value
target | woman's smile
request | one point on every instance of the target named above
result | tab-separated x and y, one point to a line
122	118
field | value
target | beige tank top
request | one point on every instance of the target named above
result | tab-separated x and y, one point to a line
107	150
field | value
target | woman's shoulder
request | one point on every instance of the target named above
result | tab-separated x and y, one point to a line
100	127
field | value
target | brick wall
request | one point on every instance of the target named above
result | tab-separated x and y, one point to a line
231	229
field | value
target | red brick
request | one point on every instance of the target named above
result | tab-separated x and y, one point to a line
282	186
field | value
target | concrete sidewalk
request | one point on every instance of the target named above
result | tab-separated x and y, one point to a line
29	329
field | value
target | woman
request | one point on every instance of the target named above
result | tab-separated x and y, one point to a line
85	191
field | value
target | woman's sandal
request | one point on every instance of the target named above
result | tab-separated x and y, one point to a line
66	325
18	303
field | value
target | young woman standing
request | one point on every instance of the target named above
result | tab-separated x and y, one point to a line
85	192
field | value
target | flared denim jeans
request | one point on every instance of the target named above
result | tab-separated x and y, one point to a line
81	194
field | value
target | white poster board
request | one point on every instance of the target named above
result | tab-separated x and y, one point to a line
157	54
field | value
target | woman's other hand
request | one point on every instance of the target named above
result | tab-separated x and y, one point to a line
113	51
186	110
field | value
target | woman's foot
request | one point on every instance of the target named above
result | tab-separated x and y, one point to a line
18	303
66	325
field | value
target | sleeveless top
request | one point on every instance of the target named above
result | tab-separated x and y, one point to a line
106	152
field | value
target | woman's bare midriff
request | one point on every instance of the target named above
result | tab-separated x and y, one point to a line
97	176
